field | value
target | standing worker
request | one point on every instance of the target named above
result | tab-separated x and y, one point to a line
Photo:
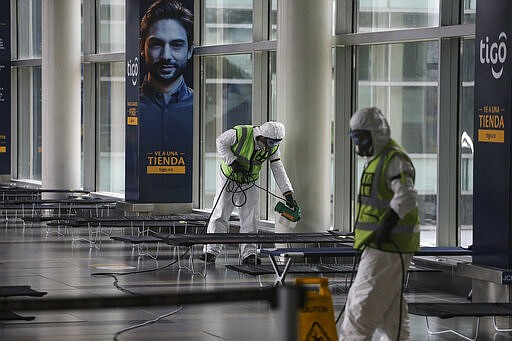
243	150
386	229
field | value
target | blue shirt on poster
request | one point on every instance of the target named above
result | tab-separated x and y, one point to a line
166	140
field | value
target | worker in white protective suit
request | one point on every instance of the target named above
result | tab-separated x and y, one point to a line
243	150
386	230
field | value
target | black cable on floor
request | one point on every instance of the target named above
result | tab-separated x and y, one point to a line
140	271
120	288
147	322
237	189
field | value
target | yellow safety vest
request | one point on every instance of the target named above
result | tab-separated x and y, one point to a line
373	205
246	154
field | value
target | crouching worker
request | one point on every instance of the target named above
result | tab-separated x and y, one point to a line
386	229
243	150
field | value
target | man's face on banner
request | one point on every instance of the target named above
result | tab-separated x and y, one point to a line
166	50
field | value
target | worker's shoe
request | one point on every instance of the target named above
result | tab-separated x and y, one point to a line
208	257
251	259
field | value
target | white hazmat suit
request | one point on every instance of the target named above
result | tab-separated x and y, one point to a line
373	302
249	198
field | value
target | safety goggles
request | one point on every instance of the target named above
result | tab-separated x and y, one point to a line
360	137
271	143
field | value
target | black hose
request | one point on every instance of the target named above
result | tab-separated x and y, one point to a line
238	187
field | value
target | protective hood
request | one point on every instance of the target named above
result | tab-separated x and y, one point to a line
373	120
271	130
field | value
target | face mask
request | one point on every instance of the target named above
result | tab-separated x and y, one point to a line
362	140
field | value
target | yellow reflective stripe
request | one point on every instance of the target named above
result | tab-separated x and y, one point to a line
407	242
241	140
374	202
376	226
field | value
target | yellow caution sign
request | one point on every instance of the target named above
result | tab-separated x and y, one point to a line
316	318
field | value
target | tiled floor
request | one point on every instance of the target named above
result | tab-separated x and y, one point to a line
64	269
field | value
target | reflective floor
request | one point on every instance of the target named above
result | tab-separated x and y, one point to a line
53	263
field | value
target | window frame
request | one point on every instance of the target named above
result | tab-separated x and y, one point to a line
449	34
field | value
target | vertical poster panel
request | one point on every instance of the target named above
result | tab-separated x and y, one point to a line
492	190
5	88
163	113
132	173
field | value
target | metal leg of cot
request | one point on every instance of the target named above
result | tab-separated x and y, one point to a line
498	329
280	275
452	331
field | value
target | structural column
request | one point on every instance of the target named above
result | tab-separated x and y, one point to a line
61	91
304	97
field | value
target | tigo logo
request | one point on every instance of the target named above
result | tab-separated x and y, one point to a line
494	53
132	70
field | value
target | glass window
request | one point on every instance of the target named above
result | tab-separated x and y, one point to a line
406	92
469	14
466	136
273	20
110	28
227	98
227	21
29	123
272	113
110	127
272	87
29	28
383	15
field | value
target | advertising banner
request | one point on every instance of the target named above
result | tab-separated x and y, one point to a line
159	101
492	190
5	88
